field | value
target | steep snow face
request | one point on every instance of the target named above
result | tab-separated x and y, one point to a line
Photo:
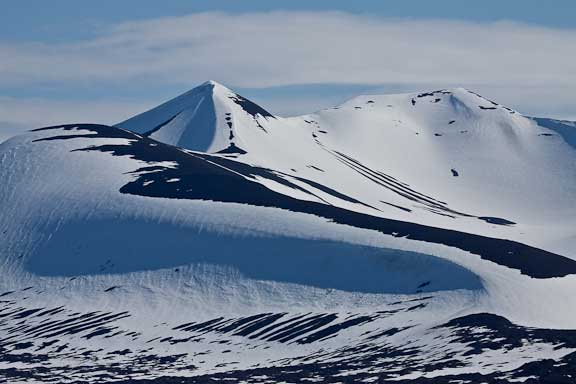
566	129
394	237
209	118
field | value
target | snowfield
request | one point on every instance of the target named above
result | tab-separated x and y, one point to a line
395	238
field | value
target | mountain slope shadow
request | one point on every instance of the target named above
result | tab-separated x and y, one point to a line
120	246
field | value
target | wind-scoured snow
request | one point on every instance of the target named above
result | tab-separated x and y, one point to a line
425	236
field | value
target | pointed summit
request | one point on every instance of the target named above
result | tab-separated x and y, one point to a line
213	83
202	119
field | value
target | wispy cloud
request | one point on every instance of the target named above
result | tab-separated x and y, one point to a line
280	48
518	62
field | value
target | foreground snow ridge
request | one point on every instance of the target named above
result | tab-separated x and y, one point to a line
420	238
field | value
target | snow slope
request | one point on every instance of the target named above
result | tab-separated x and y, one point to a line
395	238
209	118
431	158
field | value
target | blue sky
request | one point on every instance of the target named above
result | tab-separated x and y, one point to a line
67	60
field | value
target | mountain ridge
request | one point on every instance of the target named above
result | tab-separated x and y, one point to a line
382	239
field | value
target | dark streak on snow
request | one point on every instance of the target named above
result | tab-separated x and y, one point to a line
396	206
280	327
480	334
476	336
160	126
251	108
233	149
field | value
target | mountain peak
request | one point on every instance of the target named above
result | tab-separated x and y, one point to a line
451	100
202	119
207	87
213	83
213	87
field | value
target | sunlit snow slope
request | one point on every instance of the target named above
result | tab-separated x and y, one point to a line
415	237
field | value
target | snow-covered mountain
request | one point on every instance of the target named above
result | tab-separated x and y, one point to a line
209	118
406	238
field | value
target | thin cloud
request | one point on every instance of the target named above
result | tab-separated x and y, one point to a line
526	67
283	48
